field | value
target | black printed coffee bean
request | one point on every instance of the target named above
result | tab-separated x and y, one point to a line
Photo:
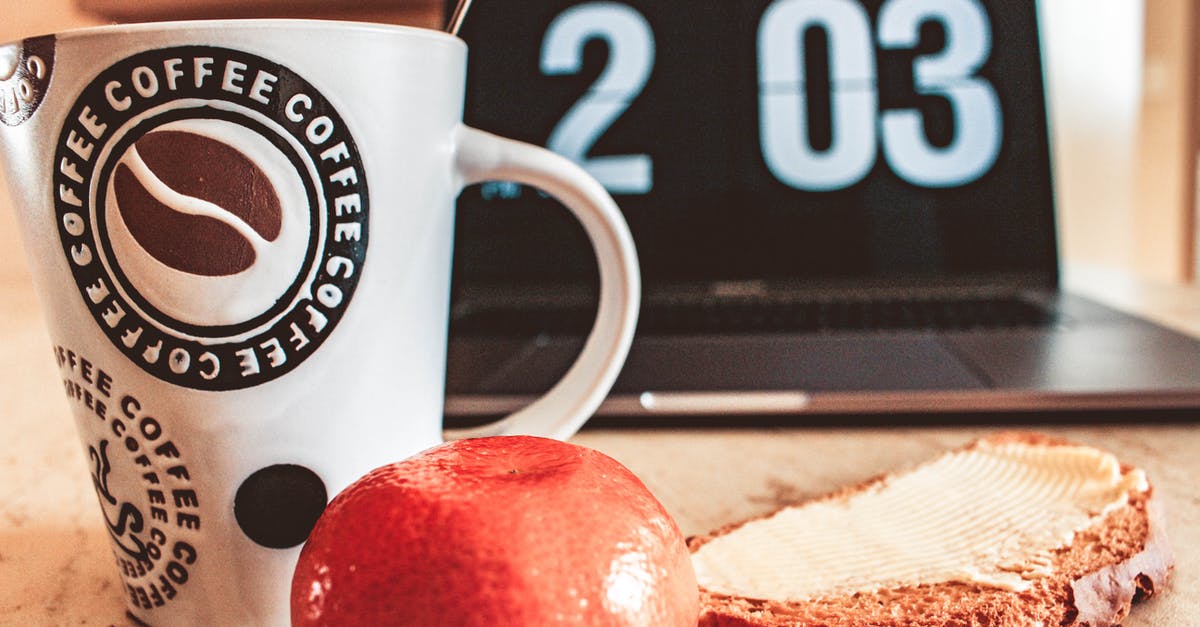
176	166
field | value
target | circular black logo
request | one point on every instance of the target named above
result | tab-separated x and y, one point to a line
25	71
213	209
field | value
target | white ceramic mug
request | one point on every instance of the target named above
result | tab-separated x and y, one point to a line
241	234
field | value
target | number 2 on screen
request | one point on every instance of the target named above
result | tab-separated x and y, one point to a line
631	58
783	111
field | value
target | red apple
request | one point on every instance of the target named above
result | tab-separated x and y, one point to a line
512	530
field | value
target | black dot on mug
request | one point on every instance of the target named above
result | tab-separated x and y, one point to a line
278	506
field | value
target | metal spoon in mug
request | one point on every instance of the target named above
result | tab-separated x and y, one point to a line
456	19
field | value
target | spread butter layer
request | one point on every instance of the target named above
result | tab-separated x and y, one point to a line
989	515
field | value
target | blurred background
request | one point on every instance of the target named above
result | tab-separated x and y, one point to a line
1121	79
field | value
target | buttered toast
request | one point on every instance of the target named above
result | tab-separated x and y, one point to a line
1016	529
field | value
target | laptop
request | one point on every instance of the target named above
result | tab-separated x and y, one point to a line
839	208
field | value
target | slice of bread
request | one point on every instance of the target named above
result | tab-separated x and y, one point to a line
1016	529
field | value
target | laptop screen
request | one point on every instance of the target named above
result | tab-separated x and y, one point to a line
837	141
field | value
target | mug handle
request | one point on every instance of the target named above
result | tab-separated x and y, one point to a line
482	156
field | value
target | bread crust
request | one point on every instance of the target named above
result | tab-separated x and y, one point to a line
1120	559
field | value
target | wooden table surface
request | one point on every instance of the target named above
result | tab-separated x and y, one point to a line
56	566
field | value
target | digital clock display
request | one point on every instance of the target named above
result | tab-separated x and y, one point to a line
760	139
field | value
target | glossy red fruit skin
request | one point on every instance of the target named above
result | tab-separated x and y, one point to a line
511	530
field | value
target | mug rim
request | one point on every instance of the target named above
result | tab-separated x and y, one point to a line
131	28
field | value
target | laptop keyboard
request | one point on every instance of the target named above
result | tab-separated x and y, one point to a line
751	316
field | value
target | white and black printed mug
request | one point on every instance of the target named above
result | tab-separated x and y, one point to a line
240	233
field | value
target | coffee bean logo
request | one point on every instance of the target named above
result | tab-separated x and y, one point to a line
208	222
196	204
213	208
